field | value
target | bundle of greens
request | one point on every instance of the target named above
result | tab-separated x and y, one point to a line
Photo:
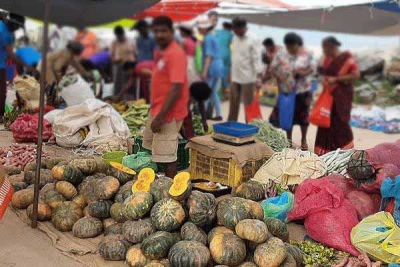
268	134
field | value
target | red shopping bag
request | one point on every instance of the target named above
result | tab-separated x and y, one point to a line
321	113
253	111
6	192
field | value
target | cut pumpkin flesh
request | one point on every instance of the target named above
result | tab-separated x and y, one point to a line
145	178
180	184
141	186
147	175
122	168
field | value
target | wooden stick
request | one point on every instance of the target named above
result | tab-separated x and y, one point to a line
41	112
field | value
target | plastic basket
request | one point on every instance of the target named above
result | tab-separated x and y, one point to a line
223	171
235	129
183	153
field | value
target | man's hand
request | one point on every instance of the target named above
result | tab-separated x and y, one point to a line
331	80
156	124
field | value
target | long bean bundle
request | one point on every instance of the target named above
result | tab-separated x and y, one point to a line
268	134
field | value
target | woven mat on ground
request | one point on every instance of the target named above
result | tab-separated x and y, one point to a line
241	154
82	250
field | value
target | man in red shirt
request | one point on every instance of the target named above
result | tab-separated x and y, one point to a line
169	97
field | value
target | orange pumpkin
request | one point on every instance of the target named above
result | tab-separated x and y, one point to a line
228	249
22	199
252	230
44	212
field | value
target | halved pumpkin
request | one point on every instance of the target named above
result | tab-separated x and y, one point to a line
122	168
181	187
145	179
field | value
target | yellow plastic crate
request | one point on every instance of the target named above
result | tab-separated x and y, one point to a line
223	171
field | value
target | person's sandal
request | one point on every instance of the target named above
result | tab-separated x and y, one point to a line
304	147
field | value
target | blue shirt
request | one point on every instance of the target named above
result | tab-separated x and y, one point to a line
6	39
145	48
225	39
101	59
29	55
211	48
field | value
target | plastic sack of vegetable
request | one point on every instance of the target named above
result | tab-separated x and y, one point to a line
139	161
278	207
379	237
286	110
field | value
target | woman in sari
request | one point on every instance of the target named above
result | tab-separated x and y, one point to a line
339	70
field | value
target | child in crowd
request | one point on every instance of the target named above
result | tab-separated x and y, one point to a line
98	82
199	93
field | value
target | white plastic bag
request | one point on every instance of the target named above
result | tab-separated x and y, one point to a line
76	93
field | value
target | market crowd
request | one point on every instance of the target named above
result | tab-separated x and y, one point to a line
188	68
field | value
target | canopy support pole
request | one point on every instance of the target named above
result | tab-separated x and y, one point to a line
41	111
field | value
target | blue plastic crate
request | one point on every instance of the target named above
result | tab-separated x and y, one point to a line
236	129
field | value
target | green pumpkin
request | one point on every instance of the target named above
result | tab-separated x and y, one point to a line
100	209
65	215
157	245
86	166
189	253
114	229
87	227
122	176
296	252
232	210
277	228
167	215
228	249
252	190
67	173
202	208
124	192
136	231
191	232
135	257
160	187
117	212
114	248
137	205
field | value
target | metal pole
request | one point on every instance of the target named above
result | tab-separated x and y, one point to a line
41	108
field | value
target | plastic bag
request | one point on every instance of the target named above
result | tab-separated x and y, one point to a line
139	161
329	216
278	207
198	58
25	129
379	237
286	104
321	113
76	92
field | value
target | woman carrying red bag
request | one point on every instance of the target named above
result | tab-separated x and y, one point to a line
339	70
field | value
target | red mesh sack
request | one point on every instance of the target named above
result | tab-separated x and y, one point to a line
25	129
386	153
342	182
363	203
329	216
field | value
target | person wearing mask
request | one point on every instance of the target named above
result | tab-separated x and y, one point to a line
89	41
293	69
169	98
189	46
28	54
224	37
8	27
213	66
246	70
339	70
58	63
122	50
146	45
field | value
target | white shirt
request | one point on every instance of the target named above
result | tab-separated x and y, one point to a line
246	59
60	37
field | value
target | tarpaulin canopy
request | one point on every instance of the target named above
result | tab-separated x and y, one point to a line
374	18
182	10
78	12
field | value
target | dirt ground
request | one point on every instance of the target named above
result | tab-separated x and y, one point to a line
22	246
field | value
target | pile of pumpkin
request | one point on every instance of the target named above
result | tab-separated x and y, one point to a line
149	221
